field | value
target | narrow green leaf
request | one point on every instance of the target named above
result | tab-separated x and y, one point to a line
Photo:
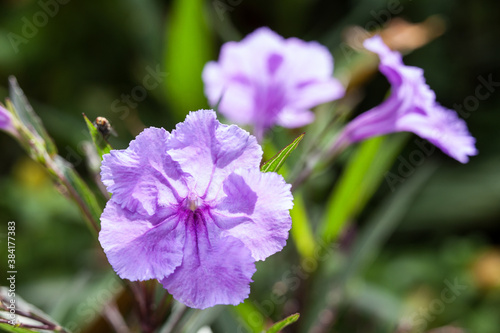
283	323
381	164
275	163
359	182
247	313
189	47
25	308
100	143
301	231
80	192
28	117
382	223
15	329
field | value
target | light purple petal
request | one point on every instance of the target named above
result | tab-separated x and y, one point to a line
443	128
143	177
231	97
213	271
293	118
391	62
411	107
310	94
266	231
264	75
408	82
214	82
137	248
308	61
377	121
251	56
236	97
6	121
209	151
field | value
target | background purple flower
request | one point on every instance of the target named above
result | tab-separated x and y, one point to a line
410	107
193	210
265	80
6	121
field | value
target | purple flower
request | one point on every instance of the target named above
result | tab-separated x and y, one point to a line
411	107
193	210
266	80
6	121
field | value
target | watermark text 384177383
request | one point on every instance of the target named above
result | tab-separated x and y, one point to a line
11	271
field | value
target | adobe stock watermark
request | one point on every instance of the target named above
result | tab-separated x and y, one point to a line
290	281
408	166
380	17
420	319
90	309
122	106
31	26
138	93
223	6
482	92
11	272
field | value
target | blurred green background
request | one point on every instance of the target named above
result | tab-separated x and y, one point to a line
138	63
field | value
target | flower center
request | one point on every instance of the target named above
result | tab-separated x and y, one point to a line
193	202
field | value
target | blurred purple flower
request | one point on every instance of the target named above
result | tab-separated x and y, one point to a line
411	107
193	210
265	80
6	121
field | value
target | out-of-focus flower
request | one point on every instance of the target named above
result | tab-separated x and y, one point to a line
193	210
6	123
265	80
410	107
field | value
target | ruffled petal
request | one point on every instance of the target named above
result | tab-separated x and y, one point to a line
391	62
138	247
213	271
443	128
209	150
251	57
266	230
308	60
407	82
309	94
236	205
143	177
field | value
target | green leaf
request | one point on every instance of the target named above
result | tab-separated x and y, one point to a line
189	47
359	182
10	328
28	117
100	142
275	163
283	323
247	313
301	231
